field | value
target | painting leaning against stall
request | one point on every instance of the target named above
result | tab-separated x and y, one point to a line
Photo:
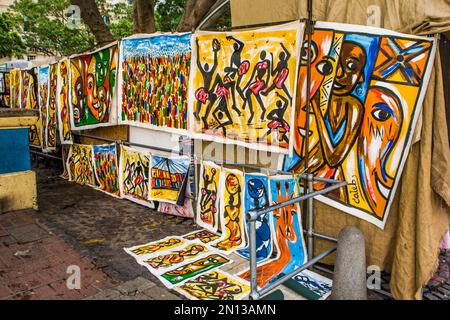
167	175
367	89
231	211
43	93
154	71
51	129
15	88
92	95
134	173
243	86
287	233
30	82
65	135
208	197
105	168
80	166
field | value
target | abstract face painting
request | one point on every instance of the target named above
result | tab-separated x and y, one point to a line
242	86
192	269
51	123
231	212
105	168
287	234
149	249
208	198
43	91
80	166
215	285
366	93
65	134
167	177
257	197
134	171
92	88
154	73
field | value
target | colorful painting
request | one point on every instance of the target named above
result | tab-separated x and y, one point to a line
43	93
15	88
167	177
51	128
30	101
313	286
185	211
257	197
175	257
134	172
92	94
231	213
243	86
65	149
80	166
215	285
208	197
367	89
192	269
105	168
154	73
204	236
146	250
287	234
65	135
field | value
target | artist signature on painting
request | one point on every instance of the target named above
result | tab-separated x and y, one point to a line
354	191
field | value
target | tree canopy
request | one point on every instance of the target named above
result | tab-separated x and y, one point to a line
11	43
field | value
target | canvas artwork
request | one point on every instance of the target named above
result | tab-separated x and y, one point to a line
215	285
166	260
92	96
257	197
192	269
134	172
154	72
105	168
51	129
204	236
243	86
65	149
313	286
80	166
287	234
43	94
30	89
144	251
167	176
367	90
65	135
15	88
185	211
232	214
208	197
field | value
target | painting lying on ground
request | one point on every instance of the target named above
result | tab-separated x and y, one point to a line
192	269
144	251
134	172
105	168
167	177
215	285
243	86
51	129
208	197
367	89
313	286
231	212
287	234
80	166
43	93
154	71
257	197
203	235
92	94
15	88
65	135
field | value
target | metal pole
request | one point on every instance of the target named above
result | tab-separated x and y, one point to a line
310	217
253	265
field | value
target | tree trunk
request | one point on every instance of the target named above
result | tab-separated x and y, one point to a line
91	16
144	16
194	12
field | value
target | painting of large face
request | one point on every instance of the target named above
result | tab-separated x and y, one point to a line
350	68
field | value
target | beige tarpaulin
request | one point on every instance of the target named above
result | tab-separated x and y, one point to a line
419	217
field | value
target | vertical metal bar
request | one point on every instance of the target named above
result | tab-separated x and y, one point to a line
310	217
253	266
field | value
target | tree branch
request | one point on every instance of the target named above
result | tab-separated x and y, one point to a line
144	16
